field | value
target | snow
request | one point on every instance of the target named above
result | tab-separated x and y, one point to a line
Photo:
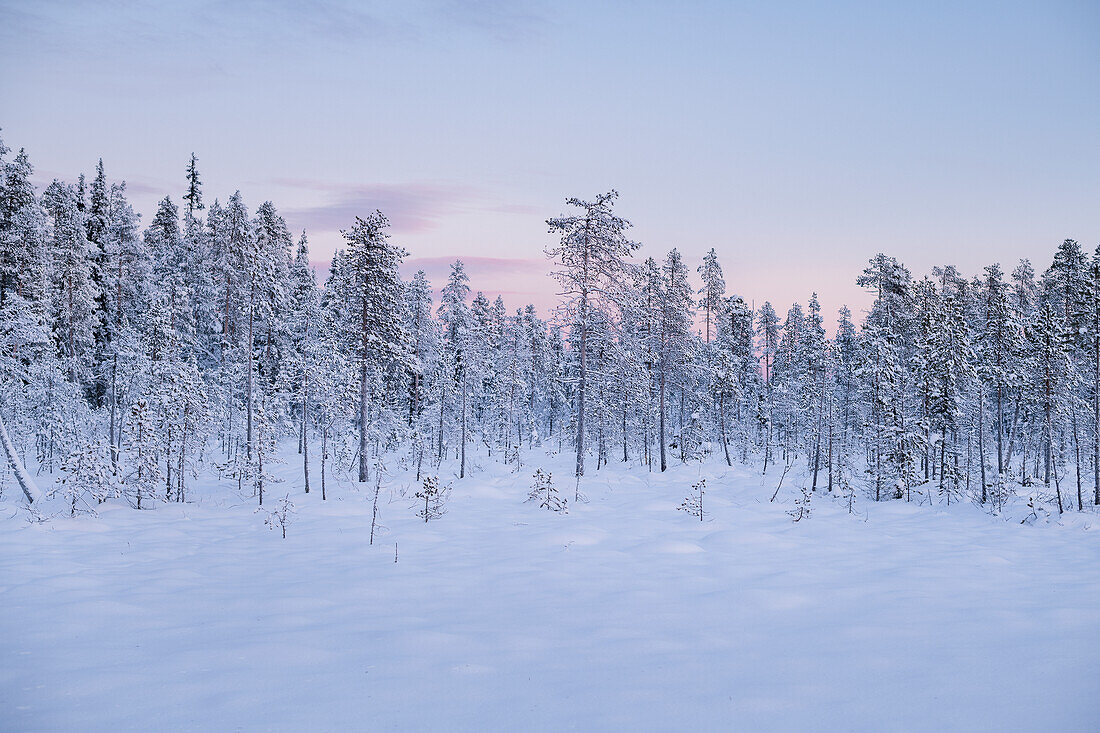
624	614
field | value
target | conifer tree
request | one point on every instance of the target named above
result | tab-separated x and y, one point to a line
590	255
193	197
374	291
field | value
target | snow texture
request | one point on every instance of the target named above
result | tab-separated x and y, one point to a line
624	614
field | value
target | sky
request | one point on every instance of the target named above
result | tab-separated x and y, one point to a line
796	138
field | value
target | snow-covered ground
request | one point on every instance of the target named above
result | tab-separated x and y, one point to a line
624	614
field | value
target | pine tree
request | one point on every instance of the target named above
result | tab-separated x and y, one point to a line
714	288
590	255
376	333
424	336
73	287
675	345
768	334
193	197
457	322
303	320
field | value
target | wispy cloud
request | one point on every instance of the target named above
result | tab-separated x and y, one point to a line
413	207
410	207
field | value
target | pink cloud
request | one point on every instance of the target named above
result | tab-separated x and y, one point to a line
411	207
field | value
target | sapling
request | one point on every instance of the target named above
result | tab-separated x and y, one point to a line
374	514
693	504
801	506
433	497
546	494
281	515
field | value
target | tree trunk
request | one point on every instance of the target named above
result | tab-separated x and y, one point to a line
26	483
324	456
248	347
1077	459
722	424
582	378
442	404
462	464
114	427
1096	407
981	440
363	400
305	433
683	446
1000	430
661	421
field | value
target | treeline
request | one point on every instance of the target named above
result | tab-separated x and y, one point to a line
131	356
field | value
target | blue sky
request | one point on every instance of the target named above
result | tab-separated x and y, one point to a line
795	138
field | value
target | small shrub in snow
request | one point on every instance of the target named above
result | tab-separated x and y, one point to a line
280	516
546	494
86	475
1037	512
693	504
433	497
801	506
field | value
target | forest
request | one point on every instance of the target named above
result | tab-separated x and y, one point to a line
134	355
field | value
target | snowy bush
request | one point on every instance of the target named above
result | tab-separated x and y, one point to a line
87	478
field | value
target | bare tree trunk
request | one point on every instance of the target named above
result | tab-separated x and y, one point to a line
114	440
981	440
683	446
582	378
363	393
625	456
168	466
1077	458
180	480
1051	466
661	421
324	456
817	440
363	419
943	461
1000	431
442	404
248	380
462	464
722	424
305	433
1096	407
